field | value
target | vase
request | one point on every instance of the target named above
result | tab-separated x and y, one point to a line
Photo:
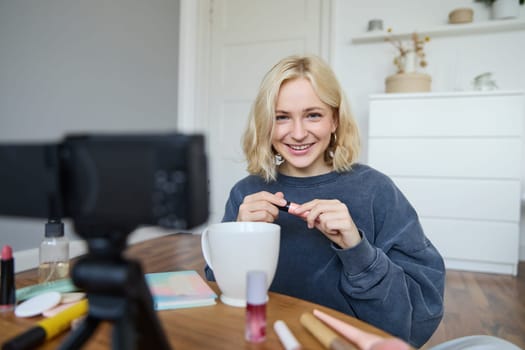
409	62
408	82
505	9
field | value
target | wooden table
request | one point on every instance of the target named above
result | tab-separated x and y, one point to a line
209	327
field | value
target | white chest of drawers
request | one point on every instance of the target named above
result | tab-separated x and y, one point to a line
458	159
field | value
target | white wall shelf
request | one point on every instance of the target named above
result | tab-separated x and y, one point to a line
446	30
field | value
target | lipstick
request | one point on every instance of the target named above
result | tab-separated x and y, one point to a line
290	207
7	283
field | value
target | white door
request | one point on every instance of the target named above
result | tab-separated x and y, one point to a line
247	38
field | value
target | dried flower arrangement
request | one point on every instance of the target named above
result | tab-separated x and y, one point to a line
416	46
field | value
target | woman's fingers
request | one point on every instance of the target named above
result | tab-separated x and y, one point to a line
261	206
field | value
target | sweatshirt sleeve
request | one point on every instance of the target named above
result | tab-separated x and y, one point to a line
394	279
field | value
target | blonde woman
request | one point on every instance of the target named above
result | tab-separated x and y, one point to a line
350	240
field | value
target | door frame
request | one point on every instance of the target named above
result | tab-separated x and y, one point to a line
195	42
194	59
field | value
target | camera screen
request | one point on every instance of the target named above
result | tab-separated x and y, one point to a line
109	182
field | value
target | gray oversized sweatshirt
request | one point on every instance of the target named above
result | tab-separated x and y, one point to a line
393	279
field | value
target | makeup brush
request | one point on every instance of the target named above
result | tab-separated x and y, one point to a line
363	340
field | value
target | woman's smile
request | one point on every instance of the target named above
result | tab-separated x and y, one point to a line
300	148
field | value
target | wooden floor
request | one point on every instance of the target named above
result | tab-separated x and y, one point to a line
481	303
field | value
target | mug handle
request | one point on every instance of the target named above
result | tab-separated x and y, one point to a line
205	246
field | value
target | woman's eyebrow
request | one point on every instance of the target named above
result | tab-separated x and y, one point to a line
315	108
309	109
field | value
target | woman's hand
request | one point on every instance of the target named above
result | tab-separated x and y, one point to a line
261	206
333	219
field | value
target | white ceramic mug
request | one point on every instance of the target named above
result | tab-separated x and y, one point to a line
231	249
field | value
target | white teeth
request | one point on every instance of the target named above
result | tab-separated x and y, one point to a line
299	148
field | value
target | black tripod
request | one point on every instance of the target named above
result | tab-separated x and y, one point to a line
117	292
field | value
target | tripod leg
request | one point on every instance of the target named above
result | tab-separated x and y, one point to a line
125	334
79	336
140	327
118	292
148	321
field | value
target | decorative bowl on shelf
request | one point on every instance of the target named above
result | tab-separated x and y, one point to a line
461	15
408	82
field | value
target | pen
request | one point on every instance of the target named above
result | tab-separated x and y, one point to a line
7	283
285	336
47	328
323	334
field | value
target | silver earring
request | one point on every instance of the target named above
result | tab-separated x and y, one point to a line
278	159
334	141
333	145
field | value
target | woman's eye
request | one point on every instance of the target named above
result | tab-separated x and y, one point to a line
281	117
314	115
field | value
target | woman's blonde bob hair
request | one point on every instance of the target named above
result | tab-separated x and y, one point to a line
257	138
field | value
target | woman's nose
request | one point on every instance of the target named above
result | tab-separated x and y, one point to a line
299	131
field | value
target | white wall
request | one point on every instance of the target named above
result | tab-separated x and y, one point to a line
84	66
453	61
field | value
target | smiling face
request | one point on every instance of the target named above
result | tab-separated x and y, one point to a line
302	129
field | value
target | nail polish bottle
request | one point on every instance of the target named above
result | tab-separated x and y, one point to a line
256	297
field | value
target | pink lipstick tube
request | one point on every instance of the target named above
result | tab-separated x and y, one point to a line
290	207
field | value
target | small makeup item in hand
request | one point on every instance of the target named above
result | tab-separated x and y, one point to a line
290	207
